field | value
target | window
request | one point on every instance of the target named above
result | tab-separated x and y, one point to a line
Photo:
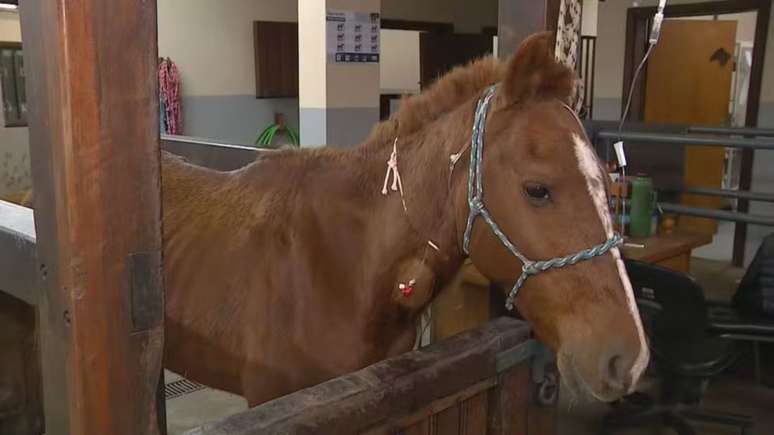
12	81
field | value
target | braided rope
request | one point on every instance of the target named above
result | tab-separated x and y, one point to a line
477	208
535	267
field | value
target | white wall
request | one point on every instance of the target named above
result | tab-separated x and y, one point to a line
589	18
399	66
9	26
14	141
211	42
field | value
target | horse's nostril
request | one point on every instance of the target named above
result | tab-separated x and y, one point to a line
614	368
617	372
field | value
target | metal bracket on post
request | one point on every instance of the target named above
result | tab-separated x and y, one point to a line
545	381
145	282
545	378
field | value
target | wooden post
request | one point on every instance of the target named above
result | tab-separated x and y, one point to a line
517	19
94	139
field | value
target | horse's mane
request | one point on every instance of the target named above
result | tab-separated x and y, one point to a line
446	94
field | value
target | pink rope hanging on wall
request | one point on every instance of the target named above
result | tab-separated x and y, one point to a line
169	95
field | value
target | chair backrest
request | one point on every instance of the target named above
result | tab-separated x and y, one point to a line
671	304
755	294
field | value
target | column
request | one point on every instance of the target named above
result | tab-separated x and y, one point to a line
338	93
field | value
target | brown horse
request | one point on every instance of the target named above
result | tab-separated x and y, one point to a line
296	268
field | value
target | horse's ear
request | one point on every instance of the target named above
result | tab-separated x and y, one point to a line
533	72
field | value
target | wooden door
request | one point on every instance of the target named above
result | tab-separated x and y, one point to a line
689	82
440	52
276	59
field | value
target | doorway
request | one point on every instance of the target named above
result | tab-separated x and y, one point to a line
415	53
681	74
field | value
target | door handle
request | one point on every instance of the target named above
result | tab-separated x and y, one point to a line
721	56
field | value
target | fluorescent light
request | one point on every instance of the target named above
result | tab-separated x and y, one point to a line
8	7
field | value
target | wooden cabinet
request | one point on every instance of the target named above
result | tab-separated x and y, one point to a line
463	305
276	59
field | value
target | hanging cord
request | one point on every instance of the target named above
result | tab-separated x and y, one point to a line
655	34
392	169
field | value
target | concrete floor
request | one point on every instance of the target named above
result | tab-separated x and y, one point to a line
732	393
194	409
727	394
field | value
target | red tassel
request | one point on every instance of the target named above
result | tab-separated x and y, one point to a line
407	289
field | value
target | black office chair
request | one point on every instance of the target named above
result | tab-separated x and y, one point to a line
683	353
751	316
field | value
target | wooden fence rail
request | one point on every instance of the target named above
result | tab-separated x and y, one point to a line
475	383
479	382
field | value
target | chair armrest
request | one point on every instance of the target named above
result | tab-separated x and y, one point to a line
726	321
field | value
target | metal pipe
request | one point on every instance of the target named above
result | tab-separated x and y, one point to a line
665	139
726	193
740	131
717	214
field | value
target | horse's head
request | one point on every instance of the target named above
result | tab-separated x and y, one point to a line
547	191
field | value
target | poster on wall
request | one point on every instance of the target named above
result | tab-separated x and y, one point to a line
352	37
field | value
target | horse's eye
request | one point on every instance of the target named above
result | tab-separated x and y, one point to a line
537	192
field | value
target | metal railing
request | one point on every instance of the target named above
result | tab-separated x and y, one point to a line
727	193
754	139
687	139
733	131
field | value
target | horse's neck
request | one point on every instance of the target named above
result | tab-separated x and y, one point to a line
423	237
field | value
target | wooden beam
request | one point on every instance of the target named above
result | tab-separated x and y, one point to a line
94	143
390	395
751	120
518	19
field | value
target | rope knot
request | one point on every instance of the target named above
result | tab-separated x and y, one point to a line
529	268
476	205
392	170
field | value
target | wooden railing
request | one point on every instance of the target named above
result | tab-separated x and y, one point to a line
478	382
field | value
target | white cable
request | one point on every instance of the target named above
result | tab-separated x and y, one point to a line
631	88
655	30
655	34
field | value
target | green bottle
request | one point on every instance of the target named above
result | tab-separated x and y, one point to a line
642	206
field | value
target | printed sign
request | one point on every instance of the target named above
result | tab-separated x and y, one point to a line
352	36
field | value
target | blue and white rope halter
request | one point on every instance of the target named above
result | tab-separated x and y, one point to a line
476	205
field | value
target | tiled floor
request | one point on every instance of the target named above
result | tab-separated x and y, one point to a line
732	394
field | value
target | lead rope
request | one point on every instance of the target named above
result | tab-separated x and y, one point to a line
406	288
392	169
476	205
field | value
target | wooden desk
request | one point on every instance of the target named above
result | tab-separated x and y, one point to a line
672	251
464	304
